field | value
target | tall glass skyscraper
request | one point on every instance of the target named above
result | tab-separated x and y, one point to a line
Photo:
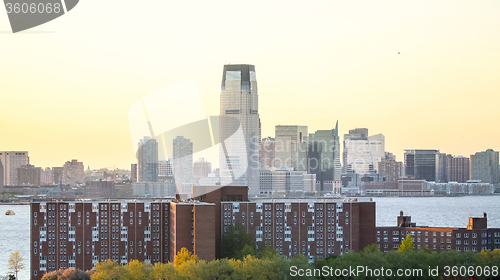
147	160
183	164
239	128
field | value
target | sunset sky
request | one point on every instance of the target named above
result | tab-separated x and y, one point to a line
66	86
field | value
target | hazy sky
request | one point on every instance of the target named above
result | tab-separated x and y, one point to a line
66	86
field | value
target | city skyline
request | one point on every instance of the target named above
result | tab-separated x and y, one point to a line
376	65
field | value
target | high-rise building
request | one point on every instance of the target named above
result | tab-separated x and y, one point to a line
73	172
28	175
458	169
133	172
452	169
201	169
441	168
267	152
362	152
409	168
183	164
423	162
165	167
485	166
319	154
82	234
46	177
239	128
57	175
1	175
286	145
11	161
147	160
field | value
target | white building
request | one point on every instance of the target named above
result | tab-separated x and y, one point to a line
286	181
363	152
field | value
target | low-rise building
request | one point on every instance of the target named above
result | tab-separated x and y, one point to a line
475	237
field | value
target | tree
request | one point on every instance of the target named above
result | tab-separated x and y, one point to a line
110	270
15	262
236	243
183	256
140	270
164	271
66	274
406	244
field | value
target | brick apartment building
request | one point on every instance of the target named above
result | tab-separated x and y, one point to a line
81	233
476	237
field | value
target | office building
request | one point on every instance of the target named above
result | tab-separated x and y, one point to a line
73	172
319	154
201	169
133	172
183	164
267	155
423	163
485	167
475	237
239	128
362	152
11	161
286	145
147	160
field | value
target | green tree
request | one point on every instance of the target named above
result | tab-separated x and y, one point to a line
183	256
267	252
300	261
110	270
215	270
245	251
406	244
15	263
236	243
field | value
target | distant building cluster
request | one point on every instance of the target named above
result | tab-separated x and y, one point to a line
293	162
